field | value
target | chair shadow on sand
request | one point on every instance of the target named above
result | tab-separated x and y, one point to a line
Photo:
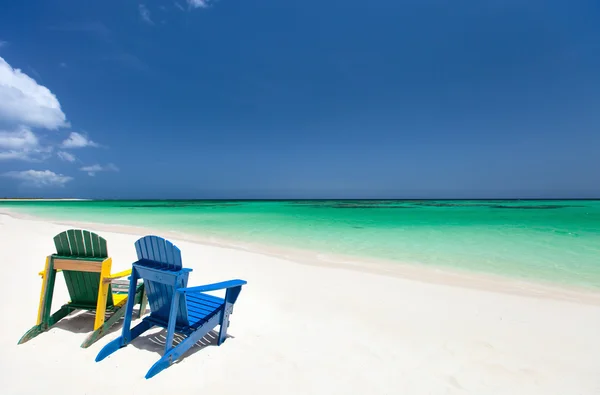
83	322
156	342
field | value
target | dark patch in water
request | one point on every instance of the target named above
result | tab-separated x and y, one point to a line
501	206
363	204
390	204
450	204
358	206
540	207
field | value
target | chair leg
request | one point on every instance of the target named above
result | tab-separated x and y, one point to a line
171	325
64	311
46	324
120	341
103	290
127	334
30	334
46	274
44	319
140	297
176	352
100	332
133	279
227	310
230	297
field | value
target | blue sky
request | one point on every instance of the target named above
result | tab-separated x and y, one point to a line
271	98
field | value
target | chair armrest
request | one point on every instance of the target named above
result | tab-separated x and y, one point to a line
117	275
42	272
214	287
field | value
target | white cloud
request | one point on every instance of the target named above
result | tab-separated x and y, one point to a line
22	138
12	155
198	3
93	169
67	157
3	43
24	106
179	6
145	14
62	64
28	155
24	102
78	140
39	178
22	144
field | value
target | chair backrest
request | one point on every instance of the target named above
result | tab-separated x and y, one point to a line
79	253
157	249
159	265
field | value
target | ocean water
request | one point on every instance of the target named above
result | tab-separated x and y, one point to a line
549	241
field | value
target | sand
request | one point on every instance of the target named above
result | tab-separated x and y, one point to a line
303	329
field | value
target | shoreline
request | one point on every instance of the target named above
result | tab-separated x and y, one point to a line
404	270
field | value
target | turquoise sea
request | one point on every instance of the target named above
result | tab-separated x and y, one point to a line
555	241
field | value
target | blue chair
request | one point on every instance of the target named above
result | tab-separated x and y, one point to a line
188	311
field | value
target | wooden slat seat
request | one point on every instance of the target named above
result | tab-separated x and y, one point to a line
201	307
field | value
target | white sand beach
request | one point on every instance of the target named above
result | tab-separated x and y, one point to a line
303	329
